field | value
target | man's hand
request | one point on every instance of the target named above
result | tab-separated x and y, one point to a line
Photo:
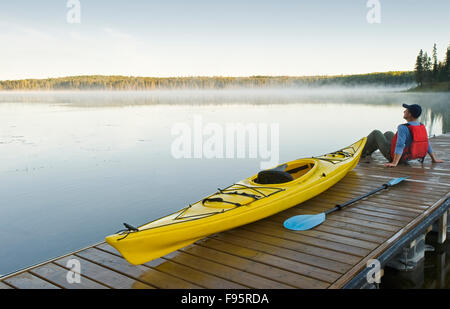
438	161
390	165
434	159
395	161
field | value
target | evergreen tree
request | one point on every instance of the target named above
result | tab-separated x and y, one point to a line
427	68
419	71
446	74
435	64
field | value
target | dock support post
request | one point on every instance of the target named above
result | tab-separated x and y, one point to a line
442	233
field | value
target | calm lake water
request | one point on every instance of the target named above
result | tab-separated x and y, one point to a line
75	165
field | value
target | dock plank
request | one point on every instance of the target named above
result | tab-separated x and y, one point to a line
275	261
29	281
142	273
396	197
57	275
330	236
375	227
300	247
370	182
373	221
185	272
387	222
104	275
330	227
4	286
380	207
349	233
302	238
355	186
375	213
206	249
235	238
229	273
384	208
332	199
235	275
334	222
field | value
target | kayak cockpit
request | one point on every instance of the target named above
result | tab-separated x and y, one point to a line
284	173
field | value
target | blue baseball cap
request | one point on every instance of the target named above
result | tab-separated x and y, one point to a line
414	109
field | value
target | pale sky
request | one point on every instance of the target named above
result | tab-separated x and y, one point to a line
216	38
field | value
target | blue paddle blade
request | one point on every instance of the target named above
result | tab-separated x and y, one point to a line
304	222
395	181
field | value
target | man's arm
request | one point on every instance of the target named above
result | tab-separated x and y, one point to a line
402	132
432	155
394	162
434	159
401	140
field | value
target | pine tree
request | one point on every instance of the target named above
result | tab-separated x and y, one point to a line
419	68
427	68
447	65
435	64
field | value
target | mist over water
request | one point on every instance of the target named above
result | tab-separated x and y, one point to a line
75	165
231	96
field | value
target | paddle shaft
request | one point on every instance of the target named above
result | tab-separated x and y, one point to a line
340	206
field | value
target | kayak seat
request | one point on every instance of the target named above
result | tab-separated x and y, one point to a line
274	176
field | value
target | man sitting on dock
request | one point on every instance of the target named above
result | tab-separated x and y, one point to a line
410	142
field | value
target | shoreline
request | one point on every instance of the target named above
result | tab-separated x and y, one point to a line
432	87
112	82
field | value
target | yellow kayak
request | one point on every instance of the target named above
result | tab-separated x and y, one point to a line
249	200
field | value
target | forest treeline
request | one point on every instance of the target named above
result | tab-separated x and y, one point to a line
100	82
429	69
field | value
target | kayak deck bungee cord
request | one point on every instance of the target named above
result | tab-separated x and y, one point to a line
254	198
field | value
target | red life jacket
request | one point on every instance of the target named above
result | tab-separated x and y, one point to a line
419	145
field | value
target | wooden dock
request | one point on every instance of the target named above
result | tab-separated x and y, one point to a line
264	255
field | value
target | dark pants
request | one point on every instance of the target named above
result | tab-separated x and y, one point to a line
377	140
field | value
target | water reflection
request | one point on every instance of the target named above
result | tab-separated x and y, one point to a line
435	105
